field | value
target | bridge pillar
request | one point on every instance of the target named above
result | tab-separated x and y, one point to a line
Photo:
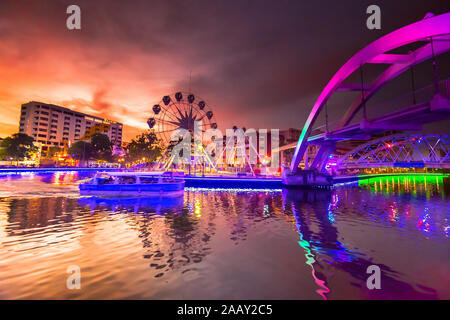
310	178
321	158
314	175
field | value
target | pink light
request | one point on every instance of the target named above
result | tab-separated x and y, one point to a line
423	29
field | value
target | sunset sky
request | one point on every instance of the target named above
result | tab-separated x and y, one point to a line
258	64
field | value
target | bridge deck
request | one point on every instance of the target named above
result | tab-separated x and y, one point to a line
409	118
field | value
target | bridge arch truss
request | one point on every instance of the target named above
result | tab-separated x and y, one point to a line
433	30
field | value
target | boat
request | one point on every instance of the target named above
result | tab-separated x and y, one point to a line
148	184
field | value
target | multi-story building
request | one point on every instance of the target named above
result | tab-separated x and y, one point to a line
289	136
52	125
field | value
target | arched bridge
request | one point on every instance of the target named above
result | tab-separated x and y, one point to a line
403	150
433	36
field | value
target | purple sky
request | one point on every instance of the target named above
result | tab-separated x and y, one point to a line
258	64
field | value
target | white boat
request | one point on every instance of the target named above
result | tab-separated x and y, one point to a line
158	184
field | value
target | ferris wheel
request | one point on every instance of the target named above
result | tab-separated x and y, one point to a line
180	112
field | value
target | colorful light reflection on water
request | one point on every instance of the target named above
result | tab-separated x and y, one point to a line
227	243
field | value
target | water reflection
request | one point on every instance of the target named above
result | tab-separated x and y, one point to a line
421	186
225	243
323	248
27	216
138	205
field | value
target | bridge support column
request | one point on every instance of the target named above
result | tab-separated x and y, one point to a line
306	159
314	175
310	178
322	156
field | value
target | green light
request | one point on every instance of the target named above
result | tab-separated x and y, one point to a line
414	184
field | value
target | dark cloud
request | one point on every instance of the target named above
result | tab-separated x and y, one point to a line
258	63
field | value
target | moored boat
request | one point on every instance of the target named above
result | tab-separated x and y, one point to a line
158	184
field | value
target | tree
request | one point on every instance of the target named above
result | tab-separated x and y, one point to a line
82	150
145	145
102	146
4	144
53	151
18	146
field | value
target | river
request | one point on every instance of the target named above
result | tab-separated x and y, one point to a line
225	244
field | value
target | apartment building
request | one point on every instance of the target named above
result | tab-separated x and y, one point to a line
52	125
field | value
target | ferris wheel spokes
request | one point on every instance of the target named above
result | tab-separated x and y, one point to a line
180	112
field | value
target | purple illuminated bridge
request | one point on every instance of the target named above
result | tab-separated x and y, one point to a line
433	33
